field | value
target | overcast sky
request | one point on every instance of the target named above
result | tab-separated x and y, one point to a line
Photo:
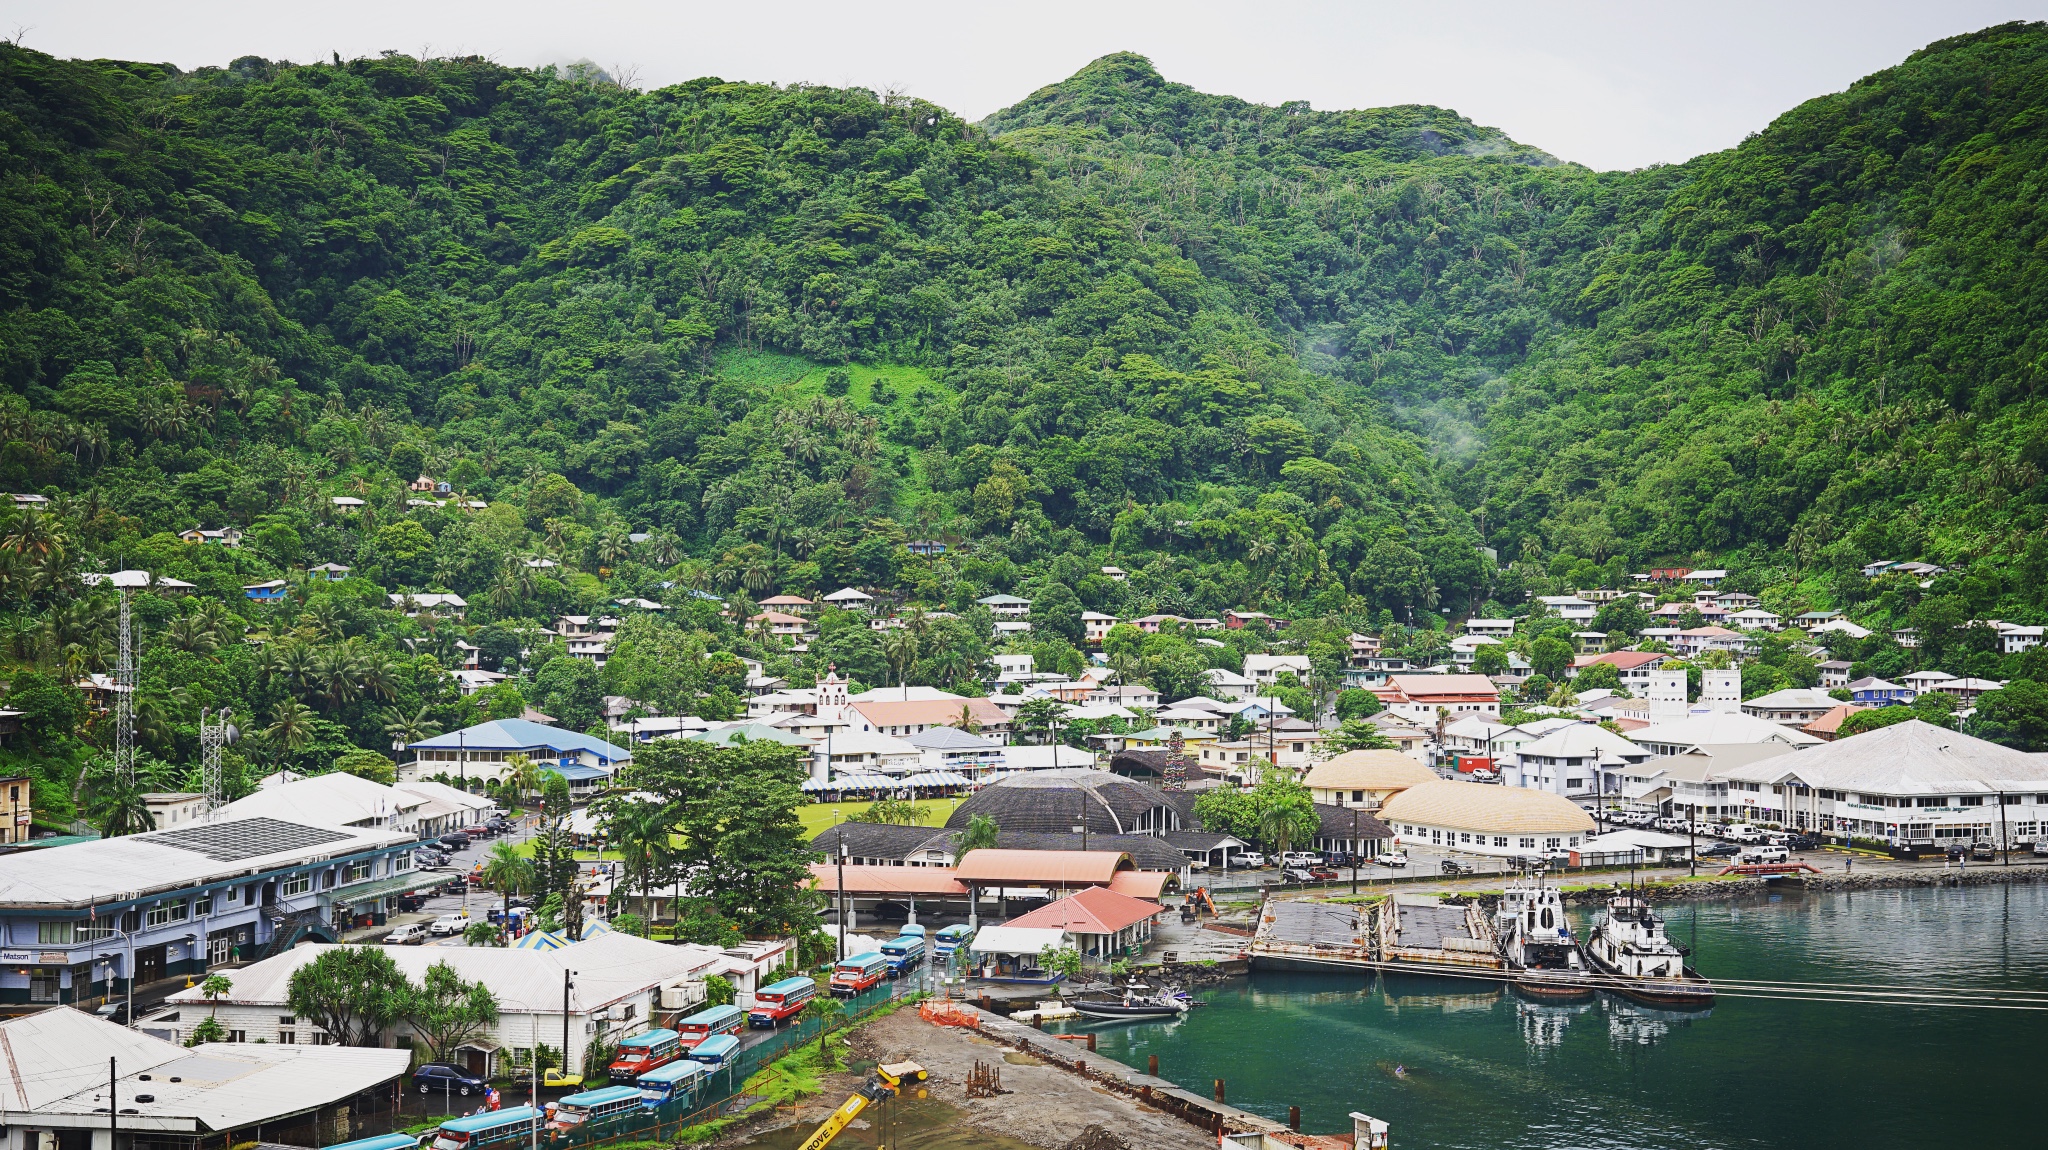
1611	85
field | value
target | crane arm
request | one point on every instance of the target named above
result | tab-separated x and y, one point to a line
884	1083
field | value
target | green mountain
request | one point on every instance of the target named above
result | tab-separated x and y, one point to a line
1328	364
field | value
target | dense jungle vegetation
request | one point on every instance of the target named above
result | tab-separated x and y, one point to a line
736	339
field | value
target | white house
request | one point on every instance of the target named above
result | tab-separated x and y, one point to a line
1095	626
1228	684
1792	707
1582	762
1266	669
1491	628
851	599
1569	607
618	986
2014	638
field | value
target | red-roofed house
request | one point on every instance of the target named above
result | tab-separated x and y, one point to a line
908	717
1105	924
1635	666
1417	698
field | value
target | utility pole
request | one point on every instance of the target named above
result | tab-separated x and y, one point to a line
1692	834
113	1078
842	896
566	984
1354	850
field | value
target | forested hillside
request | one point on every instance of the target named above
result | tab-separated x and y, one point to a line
738	339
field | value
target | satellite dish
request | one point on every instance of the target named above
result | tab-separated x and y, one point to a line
233	733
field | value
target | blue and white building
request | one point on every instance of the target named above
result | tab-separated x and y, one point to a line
481	752
80	922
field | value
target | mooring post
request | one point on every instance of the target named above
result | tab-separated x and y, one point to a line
1294	1119
1219	1090
1091	1044
1152	1065
1037	1021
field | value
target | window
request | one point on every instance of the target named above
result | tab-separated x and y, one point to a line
131	921
298	884
203	904
164	913
358	871
1528	844
238	1036
43	985
287	1037
54	933
1552	843
1500	840
287	1019
1465	836
93	930
1970	801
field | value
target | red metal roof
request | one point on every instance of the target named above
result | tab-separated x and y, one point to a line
1047	868
1097	910
930	880
1146	884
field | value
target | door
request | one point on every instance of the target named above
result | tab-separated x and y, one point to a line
149	964
473	1061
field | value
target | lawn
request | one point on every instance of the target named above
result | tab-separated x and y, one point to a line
817	817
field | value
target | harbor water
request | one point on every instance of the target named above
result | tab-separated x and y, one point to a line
1458	1065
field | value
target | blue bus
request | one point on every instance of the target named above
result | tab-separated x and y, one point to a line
513	1124
679	1080
381	1142
710	1023
594	1108
715	1051
950	939
904	952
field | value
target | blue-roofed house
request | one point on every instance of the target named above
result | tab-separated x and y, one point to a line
482	751
272	592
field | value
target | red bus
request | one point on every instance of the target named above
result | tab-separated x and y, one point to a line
643	1052
778	1002
709	1021
858	972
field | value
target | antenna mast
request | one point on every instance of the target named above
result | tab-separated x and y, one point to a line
124	678
212	737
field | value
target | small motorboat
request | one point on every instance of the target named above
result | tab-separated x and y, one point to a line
1101	1001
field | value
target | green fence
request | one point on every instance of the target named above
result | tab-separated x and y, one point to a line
725	1086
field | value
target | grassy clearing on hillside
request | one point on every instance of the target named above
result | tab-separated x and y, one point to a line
819	816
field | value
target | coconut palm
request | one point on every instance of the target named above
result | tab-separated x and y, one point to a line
119	806
899	648
508	870
980	834
291	726
189	633
523	776
406	730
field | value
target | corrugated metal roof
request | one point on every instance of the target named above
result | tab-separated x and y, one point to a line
113	870
1483	807
608	968
1024	867
1146	884
519	734
57	1062
1097	910
927	880
1017	939
1375	770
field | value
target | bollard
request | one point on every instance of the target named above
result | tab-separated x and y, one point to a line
1091	1043
1219	1090
1294	1119
1152	1065
1038	1022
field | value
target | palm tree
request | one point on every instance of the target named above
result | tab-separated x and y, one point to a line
35	534
824	1008
899	647
335	670
291	726
615	546
378	676
641	832
508	870
980	834
406	730
119	807
190	633
523	775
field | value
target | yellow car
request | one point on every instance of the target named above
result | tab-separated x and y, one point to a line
553	1076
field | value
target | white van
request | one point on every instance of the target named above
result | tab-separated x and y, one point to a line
1744	833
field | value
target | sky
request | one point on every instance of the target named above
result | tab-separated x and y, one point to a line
1608	85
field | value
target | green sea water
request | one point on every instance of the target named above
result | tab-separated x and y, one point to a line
1453	1066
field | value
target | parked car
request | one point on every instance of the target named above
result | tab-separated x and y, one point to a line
411	934
439	1076
553	1076
1765	854
1297	874
1720	850
1300	858
1803	843
2041	848
455	840
1390	858
1982	851
1323	873
452	923
1558	857
116	1011
479	831
1744	833
1251	859
1453	866
1483	775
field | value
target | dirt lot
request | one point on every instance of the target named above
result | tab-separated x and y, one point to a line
1047	1107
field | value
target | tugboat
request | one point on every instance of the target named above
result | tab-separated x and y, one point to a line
1640	961
1536	939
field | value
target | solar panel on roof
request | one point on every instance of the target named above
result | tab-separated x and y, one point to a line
244	838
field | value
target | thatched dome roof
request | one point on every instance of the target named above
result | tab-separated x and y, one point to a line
1054	802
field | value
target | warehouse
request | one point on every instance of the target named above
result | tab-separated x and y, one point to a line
1483	819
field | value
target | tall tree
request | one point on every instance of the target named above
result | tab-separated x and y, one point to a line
354	993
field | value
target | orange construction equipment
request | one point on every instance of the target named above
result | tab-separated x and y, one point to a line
1200	894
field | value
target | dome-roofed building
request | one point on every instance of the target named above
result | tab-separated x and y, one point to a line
1057	801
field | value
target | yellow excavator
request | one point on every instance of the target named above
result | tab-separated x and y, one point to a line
886	1082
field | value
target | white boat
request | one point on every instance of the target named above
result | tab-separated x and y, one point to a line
1536	939
1629	946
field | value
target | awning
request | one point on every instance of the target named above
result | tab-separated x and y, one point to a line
580	773
1030	940
938	779
396	884
851	783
